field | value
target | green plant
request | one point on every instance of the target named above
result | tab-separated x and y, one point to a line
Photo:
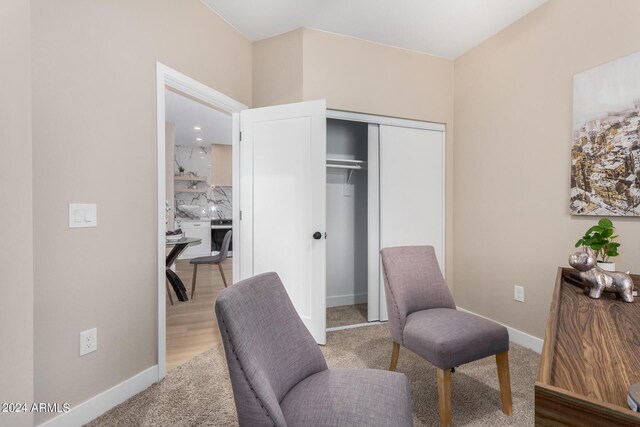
600	238
180	169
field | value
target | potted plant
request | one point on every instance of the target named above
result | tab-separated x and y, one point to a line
180	171
600	238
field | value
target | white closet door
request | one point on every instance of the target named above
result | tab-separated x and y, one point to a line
411	191
282	203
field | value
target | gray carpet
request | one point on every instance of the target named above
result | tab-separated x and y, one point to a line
198	393
345	315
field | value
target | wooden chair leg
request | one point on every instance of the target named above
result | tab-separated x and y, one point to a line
444	397
395	352
169	292
193	279
224	279
502	362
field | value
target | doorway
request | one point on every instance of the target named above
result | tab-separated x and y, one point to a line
197	165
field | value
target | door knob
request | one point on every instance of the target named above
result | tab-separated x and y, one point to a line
317	235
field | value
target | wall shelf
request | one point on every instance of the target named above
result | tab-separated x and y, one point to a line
190	190
190	178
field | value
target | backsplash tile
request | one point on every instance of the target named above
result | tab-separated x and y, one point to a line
212	202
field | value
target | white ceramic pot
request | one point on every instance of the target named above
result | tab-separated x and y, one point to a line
607	266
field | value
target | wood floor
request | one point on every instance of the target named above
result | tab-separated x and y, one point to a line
191	325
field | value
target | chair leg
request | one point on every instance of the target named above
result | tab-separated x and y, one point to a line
444	397
224	279
169	292
502	362
395	352
193	279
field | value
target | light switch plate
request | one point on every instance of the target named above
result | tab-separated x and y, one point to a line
82	215
518	293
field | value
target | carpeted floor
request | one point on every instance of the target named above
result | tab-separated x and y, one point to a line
198	393
345	315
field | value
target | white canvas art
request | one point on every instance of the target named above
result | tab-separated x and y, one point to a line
605	151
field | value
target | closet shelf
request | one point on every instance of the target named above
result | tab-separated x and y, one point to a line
346	161
348	164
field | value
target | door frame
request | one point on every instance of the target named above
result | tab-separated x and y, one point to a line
167	77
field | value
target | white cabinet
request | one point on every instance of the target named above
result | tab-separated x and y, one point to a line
198	230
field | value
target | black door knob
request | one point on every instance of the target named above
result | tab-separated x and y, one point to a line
317	235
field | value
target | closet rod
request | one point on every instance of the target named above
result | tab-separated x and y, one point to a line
358	167
347	161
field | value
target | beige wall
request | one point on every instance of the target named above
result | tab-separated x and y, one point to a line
94	133
362	76
277	69
513	115
356	75
16	251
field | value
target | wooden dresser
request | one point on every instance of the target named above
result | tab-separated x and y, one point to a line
591	355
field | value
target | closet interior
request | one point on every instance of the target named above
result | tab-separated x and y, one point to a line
347	222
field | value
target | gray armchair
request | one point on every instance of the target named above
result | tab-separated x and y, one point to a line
279	375
423	318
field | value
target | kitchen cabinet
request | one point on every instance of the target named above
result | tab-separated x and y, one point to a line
198	230
221	165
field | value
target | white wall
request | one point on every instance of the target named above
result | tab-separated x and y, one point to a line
346	216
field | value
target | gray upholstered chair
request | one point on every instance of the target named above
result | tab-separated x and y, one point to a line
279	375
218	259
424	319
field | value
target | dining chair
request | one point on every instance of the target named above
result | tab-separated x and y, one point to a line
423	318
218	259
279	375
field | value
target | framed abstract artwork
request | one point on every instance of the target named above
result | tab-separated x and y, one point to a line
605	149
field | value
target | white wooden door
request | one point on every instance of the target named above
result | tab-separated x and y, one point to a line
282	203
411	191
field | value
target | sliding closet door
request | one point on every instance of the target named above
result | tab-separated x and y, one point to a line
282	203
411	190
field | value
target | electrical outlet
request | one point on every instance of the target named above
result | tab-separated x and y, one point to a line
88	341
518	293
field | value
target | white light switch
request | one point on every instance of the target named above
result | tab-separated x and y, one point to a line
82	215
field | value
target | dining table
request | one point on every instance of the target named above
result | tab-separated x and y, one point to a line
177	247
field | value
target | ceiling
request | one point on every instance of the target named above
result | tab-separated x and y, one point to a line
446	28
185	114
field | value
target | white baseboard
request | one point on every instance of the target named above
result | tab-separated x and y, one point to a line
338	300
357	325
101	403
517	336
